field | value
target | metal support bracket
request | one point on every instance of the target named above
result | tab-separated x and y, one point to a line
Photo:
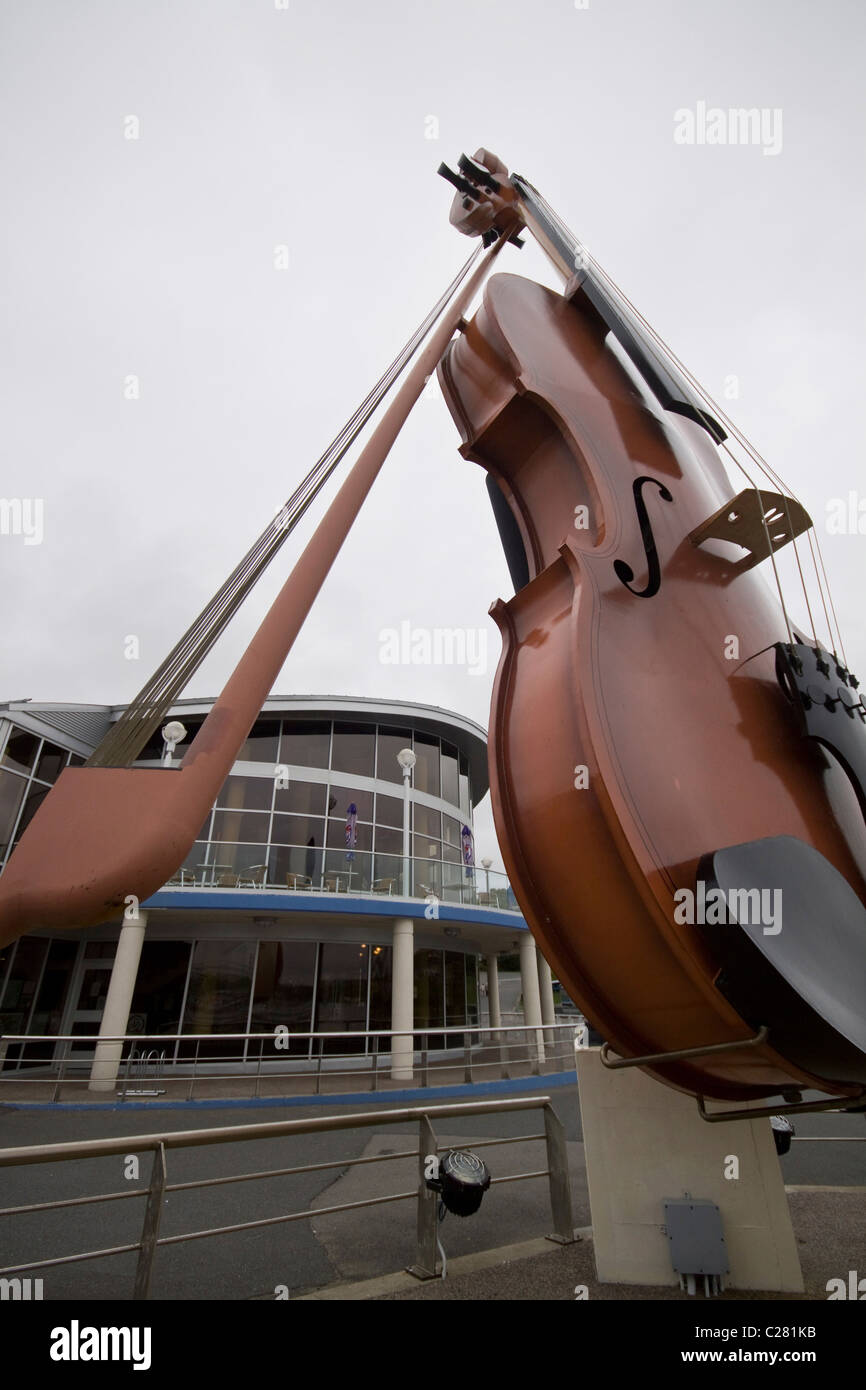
659	1058
767	1111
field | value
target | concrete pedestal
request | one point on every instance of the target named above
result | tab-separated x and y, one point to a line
643	1143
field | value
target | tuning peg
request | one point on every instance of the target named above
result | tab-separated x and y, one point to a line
462	185
478	174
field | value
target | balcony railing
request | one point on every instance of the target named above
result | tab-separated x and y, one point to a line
306	869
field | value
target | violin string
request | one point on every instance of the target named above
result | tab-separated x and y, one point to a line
130	732
775	477
586	259
823	586
772	474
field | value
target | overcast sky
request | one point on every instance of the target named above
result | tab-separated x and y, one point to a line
307	125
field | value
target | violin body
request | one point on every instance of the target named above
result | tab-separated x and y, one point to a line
637	721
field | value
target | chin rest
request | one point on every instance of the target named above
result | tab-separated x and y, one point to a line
790	940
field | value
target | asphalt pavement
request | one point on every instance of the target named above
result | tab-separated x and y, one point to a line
348	1250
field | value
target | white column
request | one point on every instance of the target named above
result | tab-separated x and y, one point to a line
115	1018
493	991
529	982
545	985
402	998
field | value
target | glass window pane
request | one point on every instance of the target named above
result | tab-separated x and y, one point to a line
228	862
347	875
248	793
429	993
464	803
20	751
12	790
51	760
389	810
100	950
21	987
354	749
283	993
427	767
455	990
337	835
391	741
341	1001
298	830
262	744
47	1012
159	986
195	859
451	829
472	989
305	743
35	798
387	874
428	822
219	994
450	781
304	798
76	761
240	825
342	797
425	848
298	867
380	991
389	841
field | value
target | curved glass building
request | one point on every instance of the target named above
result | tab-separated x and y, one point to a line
297	893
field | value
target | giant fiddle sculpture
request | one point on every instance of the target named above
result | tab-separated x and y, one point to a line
678	776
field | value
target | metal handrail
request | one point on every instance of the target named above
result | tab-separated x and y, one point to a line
427	1201
496	1052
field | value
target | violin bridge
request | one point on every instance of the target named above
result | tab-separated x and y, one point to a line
760	522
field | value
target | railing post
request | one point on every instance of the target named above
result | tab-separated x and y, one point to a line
425	1081
375	1054
194	1065
64	1057
558	1177
428	1207
259	1066
126	1072
532	1053
467	1058
319	1065
150	1226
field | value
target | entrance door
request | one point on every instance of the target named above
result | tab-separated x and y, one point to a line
88	994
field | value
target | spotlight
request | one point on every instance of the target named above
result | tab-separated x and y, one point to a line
783	1132
462	1182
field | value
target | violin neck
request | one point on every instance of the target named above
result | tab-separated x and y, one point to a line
655	365
554	238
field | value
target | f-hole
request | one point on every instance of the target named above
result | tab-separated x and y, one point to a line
624	572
